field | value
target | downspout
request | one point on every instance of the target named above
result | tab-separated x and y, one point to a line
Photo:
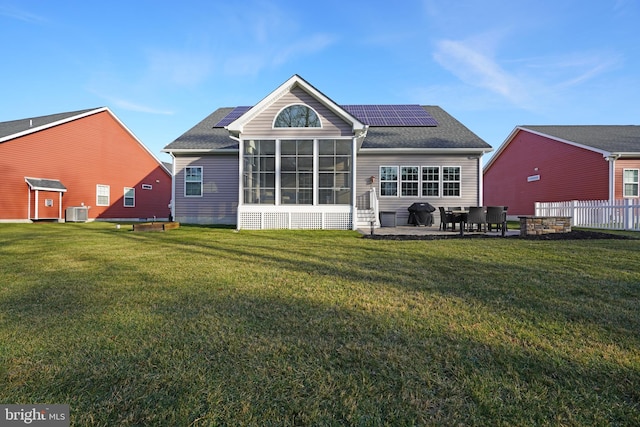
480	182
172	203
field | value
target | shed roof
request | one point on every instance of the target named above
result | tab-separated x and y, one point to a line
45	184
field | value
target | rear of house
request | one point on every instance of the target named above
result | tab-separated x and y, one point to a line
563	163
82	159
299	160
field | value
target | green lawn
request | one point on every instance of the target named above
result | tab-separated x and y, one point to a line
205	326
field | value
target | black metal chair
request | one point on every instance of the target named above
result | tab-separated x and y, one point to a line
497	215
477	216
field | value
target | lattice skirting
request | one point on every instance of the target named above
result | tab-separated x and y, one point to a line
295	220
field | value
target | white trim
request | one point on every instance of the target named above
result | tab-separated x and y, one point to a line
52	124
237	126
442	181
203	151
124	197
422	181
108	187
387	180
184	194
457	151
637	183
400	181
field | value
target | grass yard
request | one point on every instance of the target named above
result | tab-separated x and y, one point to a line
206	326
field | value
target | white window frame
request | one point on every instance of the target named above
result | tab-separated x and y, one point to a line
635	183
443	182
275	119
409	181
427	181
103	191
186	180
132	198
396	181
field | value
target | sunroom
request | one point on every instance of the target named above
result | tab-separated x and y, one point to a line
301	173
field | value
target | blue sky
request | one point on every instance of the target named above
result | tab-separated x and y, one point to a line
163	66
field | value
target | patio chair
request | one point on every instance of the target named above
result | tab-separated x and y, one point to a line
497	215
477	216
448	218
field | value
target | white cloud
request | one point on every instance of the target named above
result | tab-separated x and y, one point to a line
180	68
303	47
20	14
474	68
128	105
534	84
252	63
131	106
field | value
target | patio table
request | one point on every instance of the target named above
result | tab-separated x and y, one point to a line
462	214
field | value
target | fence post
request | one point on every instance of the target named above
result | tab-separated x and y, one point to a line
628	215
574	213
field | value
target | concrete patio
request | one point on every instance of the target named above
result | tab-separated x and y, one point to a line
412	230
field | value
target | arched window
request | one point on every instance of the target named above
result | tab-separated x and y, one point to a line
297	116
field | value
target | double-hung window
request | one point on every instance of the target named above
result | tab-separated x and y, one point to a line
450	181
409	180
630	182
430	181
102	195
388	180
129	197
193	181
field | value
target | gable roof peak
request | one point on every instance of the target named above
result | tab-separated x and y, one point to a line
294	81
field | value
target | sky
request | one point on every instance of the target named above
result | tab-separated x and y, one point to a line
162	66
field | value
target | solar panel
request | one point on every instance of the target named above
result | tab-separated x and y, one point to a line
391	115
372	115
232	116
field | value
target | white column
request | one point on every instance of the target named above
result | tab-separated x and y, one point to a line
354	211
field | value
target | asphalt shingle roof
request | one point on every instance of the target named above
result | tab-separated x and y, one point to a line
449	133
609	138
17	126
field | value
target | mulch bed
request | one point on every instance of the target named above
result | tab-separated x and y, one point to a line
573	235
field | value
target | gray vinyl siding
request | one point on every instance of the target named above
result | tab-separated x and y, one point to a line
369	165
262	125
219	201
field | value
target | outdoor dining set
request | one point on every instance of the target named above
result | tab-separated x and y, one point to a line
478	218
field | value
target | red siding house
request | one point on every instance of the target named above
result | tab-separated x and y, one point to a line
85	160
562	163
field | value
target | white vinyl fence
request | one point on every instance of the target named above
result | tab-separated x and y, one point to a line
612	215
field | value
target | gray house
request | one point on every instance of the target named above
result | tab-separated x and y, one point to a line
298	160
